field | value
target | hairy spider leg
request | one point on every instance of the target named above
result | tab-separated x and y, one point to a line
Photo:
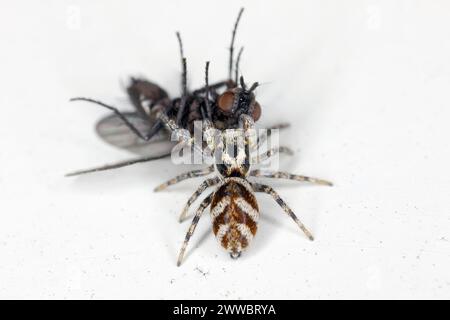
185	176
289	176
205	203
269	190
203	186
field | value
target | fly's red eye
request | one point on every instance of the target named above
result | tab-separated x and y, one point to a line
256	111
226	101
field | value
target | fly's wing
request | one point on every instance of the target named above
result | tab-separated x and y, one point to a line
112	130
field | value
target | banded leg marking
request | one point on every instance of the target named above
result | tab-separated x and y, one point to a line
185	176
270	153
263	137
289	176
206	202
203	186
269	190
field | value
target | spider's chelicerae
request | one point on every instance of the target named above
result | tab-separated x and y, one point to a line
233	206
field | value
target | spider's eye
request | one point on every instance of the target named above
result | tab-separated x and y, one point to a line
256	111
226	101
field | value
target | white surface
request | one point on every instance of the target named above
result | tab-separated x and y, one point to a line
364	83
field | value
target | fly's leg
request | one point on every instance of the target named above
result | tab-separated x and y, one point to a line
183	100
180	134
116	165
233	36
145	137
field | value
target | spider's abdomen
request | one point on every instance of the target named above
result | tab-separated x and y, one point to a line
235	213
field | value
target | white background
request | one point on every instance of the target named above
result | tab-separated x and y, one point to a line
364	83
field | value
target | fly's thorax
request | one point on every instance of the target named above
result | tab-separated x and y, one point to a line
234	213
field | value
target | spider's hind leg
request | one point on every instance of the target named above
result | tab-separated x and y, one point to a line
269	190
205	203
205	184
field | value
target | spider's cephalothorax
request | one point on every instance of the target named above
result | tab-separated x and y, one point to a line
232	153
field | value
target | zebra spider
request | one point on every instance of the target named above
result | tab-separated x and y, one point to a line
233	206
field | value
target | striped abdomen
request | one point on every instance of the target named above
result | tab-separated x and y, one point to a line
234	212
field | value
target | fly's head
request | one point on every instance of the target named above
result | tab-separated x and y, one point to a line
239	100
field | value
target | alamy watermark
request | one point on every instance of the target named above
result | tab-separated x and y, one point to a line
212	146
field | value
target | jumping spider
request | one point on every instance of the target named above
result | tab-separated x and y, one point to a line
233	206
234	209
